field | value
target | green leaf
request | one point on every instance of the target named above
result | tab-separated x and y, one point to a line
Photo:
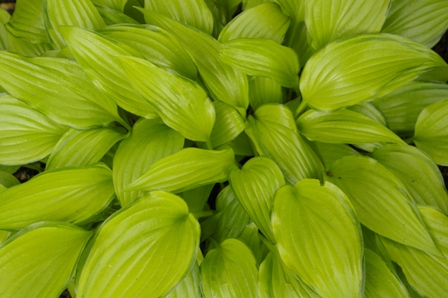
381	201
114	4
111	16
181	103
418	173
189	168
402	107
264	21
328	20
264	58
264	91
197	198
252	238
97	56
255	186
4	235
437	223
380	280
241	145
81	106
143	250
81	13
329	153
149	141
354	70
9	169
40	260
82	148
4	19
190	286
229	270
431	131
423	21
275	135
246	4
297	39
26	135
7	180
72	195
222	81
293	8
343	126
228	124
194	13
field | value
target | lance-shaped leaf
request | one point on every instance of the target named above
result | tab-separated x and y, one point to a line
274	132
251	237
328	20
343	126
26	135
190	12
350	71
41	81
9	169
228	124
7	180
72	195
264	58
264	91
82	148
255	186
402	107
380	280
327	255
431	131
437	224
423	21
4	235
186	169
97	56
190	286
426	273
40	260
156	45
229	270
418	173
111	16
81	13
4	19
142	250
265	21
27	22
223	82
381	201
149	141
113	4
181	103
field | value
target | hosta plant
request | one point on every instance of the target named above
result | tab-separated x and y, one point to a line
225	148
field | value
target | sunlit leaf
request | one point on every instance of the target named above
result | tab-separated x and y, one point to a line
381	201
319	237
228	124
4	235
142	250
437	224
40	260
190	286
28	22
149	141
264	91
293	8
431	131
72	195
181	103
229	271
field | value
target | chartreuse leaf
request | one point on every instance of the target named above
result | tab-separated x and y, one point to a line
142	250
329	153
149	141
328	20
81	148
265	21
437	223
190	286
114	4
381	201
97	56
229	270
4	235
418	173
190	12
292	8
82	104
228	124
431	131
81	13
264	91
380	280
353	70
264	58
197	198
252	3
156	45
223	82
4	19
72	195
275	135
40	260
255	186
402	107
426	273
189	168
7	180
111	16
423	21
26	135
251	237
343	126
181	103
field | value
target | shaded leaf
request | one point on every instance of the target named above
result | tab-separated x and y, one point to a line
228	124
437	223
111	16
297	39
7	180
9	169
197	198
27	22
264	91
190	286
113	4
4	18
329	153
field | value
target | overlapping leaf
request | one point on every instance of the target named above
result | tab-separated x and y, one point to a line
72	195
4	18
437	223
197	198
190	286
7	180
264	91
9	169
114	4
40	260
28	22
111	16
142	250
228	124
329	153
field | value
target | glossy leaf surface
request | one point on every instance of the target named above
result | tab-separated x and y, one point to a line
190	286
437	223
228	124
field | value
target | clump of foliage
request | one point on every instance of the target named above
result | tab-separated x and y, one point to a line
224	148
